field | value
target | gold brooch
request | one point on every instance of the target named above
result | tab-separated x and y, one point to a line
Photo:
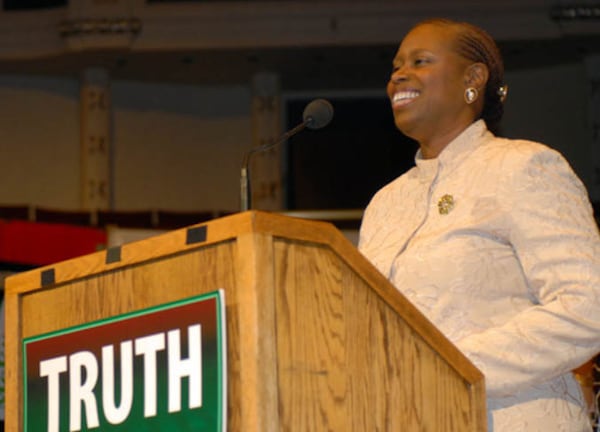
446	204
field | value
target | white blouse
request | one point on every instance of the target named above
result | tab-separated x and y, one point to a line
495	242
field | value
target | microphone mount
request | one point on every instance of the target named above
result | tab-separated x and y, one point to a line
317	114
245	181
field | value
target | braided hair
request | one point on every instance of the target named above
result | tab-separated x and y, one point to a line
475	44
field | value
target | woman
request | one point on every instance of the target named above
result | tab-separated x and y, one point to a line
494	240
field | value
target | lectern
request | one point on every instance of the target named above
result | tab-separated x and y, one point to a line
317	338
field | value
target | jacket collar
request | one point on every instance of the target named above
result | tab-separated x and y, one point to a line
455	152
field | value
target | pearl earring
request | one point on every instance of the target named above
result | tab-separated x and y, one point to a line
471	95
503	92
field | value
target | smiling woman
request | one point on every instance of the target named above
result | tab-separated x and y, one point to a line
493	239
431	73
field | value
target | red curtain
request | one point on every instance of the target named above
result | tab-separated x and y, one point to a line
37	244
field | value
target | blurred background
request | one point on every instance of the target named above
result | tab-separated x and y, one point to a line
147	106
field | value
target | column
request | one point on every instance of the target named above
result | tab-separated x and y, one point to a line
95	109
265	167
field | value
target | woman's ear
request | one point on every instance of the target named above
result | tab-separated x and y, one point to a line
476	75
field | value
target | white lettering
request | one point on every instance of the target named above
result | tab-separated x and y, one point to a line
148	347
83	369
52	368
82	392
117	414
190	367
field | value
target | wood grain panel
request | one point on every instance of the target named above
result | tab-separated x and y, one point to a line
348	361
133	288
311	339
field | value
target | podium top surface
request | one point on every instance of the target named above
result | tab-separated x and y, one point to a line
176	241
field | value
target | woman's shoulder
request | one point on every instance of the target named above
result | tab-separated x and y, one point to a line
517	148
518	153
535	164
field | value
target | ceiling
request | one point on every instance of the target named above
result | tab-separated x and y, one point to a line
364	65
300	68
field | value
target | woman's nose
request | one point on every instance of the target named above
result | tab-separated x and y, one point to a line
398	76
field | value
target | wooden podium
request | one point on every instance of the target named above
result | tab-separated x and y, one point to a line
317	338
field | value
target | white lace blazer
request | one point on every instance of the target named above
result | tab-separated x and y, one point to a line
495	242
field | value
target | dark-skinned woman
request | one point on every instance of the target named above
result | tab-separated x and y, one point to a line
492	239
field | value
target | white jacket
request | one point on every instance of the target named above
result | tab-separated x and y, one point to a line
495	242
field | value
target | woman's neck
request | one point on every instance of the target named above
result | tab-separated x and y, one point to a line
433	144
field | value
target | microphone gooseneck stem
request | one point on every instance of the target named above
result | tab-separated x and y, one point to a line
245	193
244	190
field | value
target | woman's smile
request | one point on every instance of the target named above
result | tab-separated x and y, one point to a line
404	97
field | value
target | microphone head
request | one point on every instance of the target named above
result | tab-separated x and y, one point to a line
317	114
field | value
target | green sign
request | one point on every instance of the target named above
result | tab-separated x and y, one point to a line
159	369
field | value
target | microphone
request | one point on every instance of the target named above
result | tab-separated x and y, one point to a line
316	115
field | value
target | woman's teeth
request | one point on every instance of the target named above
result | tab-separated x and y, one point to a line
404	97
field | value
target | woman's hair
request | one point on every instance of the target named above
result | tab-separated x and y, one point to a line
475	44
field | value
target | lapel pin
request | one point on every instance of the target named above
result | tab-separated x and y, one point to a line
446	204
